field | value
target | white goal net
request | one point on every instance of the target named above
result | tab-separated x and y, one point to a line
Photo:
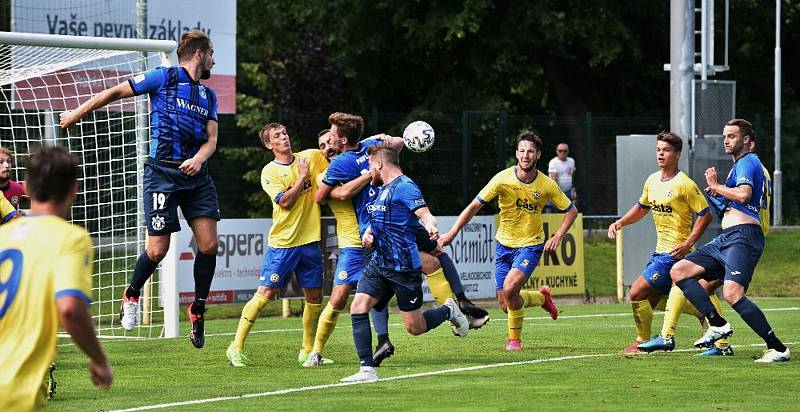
37	83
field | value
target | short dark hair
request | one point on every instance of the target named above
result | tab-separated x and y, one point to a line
672	138
530	136
51	174
745	127
322	132
263	134
350	125
385	153
192	41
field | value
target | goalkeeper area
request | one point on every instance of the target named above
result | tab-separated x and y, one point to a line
573	363
38	81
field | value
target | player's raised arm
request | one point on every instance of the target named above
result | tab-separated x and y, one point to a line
120	91
348	190
290	196
466	215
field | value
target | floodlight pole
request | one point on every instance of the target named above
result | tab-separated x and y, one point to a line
777	174
681	74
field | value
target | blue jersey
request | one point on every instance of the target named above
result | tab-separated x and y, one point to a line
348	166
394	223
180	109
747	170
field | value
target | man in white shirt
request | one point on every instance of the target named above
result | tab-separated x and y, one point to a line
561	169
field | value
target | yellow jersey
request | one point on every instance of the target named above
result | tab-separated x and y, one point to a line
42	258
763	211
521	206
672	204
7	210
299	225
346	221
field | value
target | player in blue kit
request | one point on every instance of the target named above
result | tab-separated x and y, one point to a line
183	136
395	266
732	256
351	165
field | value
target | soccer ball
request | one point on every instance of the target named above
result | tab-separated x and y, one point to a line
418	136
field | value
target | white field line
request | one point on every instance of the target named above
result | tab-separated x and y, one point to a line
394	378
108	339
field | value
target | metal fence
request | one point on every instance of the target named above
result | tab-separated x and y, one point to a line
474	145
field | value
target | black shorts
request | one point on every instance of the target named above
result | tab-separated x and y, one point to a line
166	188
382	284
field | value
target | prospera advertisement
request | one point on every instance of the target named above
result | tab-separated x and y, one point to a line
166	20
243	243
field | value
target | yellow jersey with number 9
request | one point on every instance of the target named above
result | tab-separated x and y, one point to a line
42	258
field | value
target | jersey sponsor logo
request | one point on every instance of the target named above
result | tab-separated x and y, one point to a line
419	201
201	90
660	208
373	208
183	104
524	204
361	159
343	275
157	223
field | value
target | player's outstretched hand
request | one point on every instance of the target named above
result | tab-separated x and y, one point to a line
67	119
447	238
102	375
191	166
552	243
711	176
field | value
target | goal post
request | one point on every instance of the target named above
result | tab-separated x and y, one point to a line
43	75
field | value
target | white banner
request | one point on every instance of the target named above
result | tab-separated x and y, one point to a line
166	20
472	252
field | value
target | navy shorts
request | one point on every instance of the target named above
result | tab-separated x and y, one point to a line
382	284
166	188
423	240
656	273
350	266
304	261
523	258
733	255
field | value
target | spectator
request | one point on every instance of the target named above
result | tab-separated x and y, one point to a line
560	170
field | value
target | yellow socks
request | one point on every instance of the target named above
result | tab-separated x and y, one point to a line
249	315
722	343
440	288
310	318
662	304
326	325
515	318
531	298
643	316
675	305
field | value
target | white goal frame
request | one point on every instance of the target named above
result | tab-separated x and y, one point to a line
168	53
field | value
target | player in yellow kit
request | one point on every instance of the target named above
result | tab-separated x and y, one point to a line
673	198
290	182
45	277
665	340
521	192
7	210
